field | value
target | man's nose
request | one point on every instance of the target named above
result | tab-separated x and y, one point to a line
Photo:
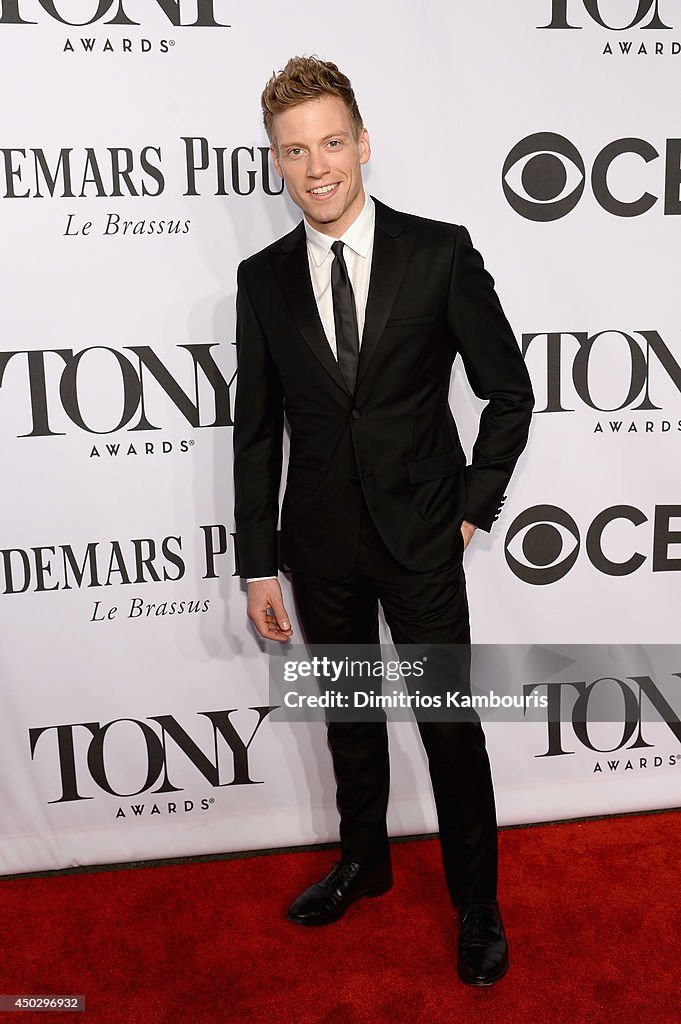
317	164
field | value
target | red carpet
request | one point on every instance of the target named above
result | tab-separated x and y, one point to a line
592	912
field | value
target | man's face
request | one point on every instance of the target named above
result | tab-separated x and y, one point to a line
317	153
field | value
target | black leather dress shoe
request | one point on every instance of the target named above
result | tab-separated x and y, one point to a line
327	901
483	950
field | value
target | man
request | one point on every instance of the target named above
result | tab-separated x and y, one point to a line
349	326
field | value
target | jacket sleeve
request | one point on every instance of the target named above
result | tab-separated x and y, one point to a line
258	431
497	373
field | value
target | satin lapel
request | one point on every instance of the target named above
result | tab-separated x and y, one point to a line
388	264
293	273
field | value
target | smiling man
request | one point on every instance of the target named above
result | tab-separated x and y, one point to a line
319	152
348	327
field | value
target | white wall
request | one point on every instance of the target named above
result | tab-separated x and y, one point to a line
447	90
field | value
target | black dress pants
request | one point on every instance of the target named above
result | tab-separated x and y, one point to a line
427	607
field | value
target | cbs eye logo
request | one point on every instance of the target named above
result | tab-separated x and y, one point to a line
542	544
543	177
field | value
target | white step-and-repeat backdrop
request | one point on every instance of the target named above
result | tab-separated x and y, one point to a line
134	176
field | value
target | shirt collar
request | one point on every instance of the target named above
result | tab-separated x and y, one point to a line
359	236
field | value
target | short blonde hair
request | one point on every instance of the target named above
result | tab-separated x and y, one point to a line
307	78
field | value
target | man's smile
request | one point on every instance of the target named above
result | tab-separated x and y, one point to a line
324	190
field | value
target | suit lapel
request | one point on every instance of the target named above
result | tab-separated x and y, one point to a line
293	273
392	246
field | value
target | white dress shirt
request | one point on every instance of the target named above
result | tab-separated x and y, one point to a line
359	243
358	249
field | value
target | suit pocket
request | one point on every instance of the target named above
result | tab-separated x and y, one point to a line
413	321
435	467
304	476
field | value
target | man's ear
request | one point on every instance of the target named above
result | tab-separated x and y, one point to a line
275	160
364	146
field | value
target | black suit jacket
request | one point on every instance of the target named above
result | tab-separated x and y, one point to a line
395	440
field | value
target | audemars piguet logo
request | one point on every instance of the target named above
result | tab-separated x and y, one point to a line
125	174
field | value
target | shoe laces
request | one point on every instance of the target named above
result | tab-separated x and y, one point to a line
342	870
476	921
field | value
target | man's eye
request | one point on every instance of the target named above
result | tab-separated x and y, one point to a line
295	152
334	143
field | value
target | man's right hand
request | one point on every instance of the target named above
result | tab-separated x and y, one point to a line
266	610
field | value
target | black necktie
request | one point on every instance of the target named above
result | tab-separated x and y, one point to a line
345	317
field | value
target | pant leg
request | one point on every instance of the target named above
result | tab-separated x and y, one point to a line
464	798
432	608
340	612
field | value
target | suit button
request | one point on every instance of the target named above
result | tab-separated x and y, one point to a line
356	414
367	474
